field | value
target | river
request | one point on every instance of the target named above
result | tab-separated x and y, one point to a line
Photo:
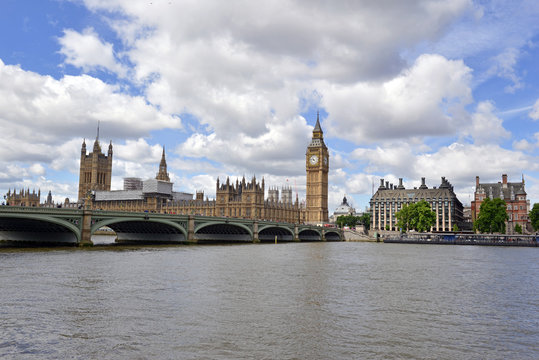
270	301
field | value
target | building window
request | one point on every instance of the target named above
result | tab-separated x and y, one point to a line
509	207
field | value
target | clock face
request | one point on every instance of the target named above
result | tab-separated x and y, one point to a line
313	160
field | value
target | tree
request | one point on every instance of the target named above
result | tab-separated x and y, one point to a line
365	219
347	220
424	216
534	217
418	217
492	216
403	217
518	229
455	228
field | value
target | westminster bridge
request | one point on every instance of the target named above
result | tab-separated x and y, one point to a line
19	225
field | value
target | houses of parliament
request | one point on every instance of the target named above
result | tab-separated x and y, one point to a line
240	199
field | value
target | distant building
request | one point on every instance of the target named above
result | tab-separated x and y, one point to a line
389	199
514	195
49	199
242	199
23	198
95	169
343	209
132	183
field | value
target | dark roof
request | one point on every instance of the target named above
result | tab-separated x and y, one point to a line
502	191
317	126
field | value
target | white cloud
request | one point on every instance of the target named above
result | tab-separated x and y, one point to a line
534	114
503	65
38	113
459	163
393	158
426	99
485	127
280	151
522	145
238	66
88	52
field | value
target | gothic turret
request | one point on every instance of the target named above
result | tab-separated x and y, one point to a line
163	174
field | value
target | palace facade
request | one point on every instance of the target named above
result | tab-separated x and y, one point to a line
23	198
242	199
239	199
389	199
95	169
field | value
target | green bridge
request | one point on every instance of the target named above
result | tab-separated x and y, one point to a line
19	225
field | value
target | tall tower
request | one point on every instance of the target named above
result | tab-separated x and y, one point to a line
163	174
317	165
95	169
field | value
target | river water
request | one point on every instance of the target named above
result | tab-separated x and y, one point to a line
267	301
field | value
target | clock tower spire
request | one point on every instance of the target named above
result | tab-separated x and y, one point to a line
317	165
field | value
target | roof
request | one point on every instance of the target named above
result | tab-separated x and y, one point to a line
502	191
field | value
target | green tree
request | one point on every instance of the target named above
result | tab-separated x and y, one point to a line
455	228
518	229
403	217
424	216
534	217
365	219
492	216
418	217
347	220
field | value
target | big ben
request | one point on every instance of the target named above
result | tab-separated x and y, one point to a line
317	165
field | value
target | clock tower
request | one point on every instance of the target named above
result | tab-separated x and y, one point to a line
317	164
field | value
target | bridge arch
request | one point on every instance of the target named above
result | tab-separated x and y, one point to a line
219	231
309	235
332	235
143	229
270	232
19	227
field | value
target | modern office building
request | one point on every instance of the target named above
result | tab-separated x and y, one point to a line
389	199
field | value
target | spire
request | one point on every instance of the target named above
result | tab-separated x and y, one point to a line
317	126
163	174
97	147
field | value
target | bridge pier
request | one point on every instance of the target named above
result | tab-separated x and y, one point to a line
86	233
296	233
256	239
191	229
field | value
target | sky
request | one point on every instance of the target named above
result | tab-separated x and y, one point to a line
405	89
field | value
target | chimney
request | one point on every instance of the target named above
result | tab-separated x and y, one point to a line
387	184
400	184
423	186
476	182
382	183
504	179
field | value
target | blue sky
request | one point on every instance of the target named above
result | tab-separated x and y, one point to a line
405	89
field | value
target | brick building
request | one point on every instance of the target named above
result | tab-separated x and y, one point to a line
514	195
